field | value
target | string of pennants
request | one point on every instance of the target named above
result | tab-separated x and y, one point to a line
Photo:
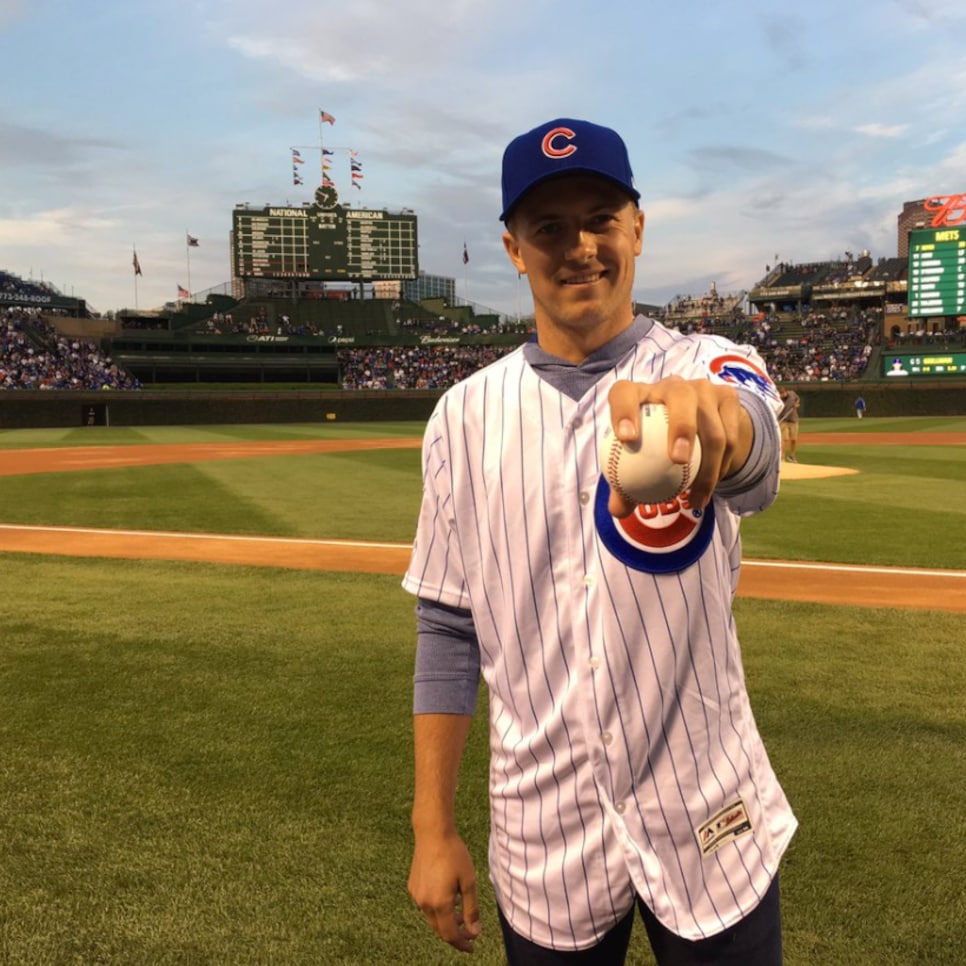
355	165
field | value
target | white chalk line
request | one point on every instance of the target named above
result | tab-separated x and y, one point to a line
375	545
184	535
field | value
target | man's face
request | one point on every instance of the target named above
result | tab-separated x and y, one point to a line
576	238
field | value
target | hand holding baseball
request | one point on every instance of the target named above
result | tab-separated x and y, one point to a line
697	411
641	470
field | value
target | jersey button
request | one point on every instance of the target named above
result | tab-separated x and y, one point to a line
584	498
595	662
607	737
619	808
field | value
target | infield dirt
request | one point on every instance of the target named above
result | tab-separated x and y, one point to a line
776	580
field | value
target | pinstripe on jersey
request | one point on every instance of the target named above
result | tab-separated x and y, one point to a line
619	719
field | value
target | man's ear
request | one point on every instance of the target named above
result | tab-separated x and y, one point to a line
513	251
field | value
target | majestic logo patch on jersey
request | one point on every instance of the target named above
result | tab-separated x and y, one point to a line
724	827
656	538
735	370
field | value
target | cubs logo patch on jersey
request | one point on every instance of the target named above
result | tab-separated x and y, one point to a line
737	370
656	538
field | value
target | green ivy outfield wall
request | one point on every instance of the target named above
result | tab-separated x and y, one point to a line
885	398
39	409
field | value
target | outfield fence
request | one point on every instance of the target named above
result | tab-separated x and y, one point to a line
38	409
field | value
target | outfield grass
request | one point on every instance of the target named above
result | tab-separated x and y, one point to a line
207	764
904	507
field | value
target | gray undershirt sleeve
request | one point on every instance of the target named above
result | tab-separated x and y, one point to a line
763	459
447	674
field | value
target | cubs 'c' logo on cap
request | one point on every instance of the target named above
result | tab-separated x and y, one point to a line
656	538
735	370
552	147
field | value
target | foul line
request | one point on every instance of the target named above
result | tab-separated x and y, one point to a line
376	545
185	535
853	568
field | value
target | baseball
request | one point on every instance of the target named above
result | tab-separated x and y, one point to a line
642	472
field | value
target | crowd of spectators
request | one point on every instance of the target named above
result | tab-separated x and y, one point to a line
15	285
831	346
34	355
223	323
921	336
414	367
812	347
815	347
443	326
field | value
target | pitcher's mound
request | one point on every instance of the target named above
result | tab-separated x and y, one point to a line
809	471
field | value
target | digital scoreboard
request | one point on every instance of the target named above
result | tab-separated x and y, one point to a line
937	272
337	244
932	364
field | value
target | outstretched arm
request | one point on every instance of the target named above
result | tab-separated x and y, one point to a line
442	880
696	407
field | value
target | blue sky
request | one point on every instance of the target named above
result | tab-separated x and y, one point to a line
755	128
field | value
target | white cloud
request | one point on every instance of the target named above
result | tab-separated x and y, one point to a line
57	227
877	130
369	40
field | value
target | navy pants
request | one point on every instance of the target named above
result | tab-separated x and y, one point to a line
755	941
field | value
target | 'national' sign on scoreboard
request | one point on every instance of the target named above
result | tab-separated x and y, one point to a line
330	245
937	272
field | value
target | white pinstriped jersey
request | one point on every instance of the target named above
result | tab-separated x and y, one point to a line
624	753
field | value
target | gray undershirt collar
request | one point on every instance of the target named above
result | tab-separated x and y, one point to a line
574	379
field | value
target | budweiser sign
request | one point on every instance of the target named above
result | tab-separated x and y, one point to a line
947	210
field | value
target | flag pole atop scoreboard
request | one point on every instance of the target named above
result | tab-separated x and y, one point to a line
324	118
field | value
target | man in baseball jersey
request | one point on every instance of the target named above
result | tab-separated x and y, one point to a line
626	768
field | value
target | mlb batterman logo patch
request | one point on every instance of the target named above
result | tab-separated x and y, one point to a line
724	827
658	538
738	371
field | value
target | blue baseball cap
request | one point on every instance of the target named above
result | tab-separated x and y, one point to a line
564	146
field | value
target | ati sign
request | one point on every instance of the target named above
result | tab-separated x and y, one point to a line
947	210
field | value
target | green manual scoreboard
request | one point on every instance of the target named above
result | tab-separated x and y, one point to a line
337	244
937	272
